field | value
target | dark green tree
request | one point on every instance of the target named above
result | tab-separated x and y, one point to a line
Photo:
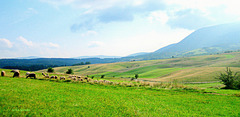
86	63
136	76
229	79
50	70
102	76
69	71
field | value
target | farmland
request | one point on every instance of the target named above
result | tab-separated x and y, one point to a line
185	69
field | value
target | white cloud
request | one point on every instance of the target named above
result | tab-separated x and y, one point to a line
204	12
58	2
25	41
53	45
87	4
5	43
160	16
89	33
94	44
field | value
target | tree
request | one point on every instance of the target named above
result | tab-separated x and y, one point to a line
136	76
50	69
229	79
69	71
102	76
86	63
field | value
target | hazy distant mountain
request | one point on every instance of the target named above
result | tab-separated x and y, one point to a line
165	48
137	54
213	36
209	40
97	56
29	57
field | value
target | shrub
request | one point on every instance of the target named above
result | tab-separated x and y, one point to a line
136	76
69	71
229	79
92	77
50	69
102	76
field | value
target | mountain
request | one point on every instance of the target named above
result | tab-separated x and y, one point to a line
208	40
97	56
29	57
165	48
137	54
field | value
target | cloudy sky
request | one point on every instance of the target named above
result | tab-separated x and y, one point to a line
72	28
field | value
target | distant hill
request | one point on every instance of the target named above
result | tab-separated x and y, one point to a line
42	63
97	56
209	39
28	57
137	54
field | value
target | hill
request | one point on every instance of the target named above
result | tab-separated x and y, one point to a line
137	54
98	56
185	69
211	40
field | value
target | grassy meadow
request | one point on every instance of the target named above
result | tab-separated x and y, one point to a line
186	69
32	97
169	87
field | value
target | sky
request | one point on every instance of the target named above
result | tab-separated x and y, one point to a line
72	28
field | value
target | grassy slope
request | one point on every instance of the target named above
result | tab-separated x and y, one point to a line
189	69
28	97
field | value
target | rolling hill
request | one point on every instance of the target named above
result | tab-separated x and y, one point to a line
185	69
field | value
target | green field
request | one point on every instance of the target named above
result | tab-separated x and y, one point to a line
30	97
186	69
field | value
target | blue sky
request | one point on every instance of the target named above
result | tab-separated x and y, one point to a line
72	28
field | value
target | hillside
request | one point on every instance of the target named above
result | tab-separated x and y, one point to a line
211	40
186	69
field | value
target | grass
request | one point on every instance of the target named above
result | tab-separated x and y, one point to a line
144	72
215	87
28	97
186	69
229	56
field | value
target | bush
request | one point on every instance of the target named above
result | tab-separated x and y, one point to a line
102	76
136	76
229	79
69	71
50	69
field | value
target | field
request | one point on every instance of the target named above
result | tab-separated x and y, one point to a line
186	69
169	87
30	97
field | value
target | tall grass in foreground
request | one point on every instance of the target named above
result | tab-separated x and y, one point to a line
29	97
